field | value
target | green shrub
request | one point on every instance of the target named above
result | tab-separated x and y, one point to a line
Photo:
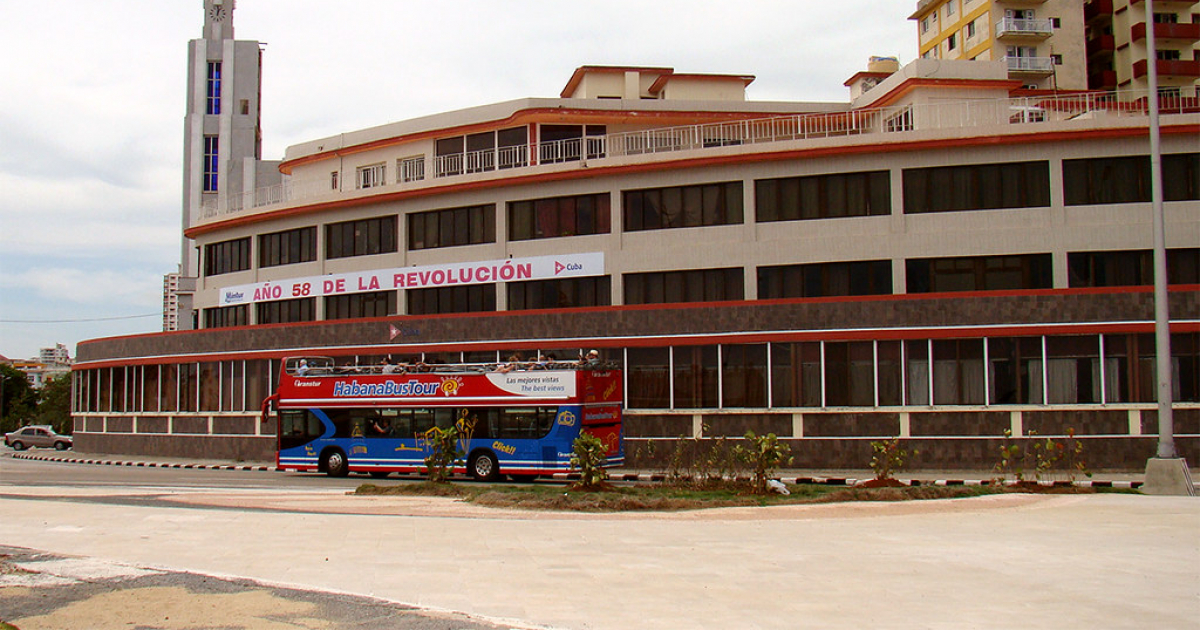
444	452
588	456
888	458
765	456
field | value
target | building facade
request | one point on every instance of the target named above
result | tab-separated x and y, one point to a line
935	259
1041	43
1117	45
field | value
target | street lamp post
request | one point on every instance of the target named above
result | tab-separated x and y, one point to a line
1166	473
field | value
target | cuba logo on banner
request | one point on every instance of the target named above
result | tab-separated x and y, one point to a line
572	266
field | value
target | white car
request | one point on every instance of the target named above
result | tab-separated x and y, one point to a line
42	435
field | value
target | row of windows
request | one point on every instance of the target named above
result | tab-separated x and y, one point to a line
1054	370
837	279
935	189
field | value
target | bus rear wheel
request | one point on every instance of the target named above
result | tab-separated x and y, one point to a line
335	464
484	467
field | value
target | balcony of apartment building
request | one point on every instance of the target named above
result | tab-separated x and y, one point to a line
1101	46
1173	33
1098	10
1021	3
1163	5
1024	28
1030	65
1169	69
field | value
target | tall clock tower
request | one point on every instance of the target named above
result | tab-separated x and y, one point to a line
222	140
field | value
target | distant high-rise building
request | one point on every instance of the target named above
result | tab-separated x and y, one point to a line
1117	45
1042	42
177	300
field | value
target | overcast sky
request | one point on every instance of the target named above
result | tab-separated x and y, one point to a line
92	105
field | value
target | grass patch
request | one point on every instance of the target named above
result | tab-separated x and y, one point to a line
662	497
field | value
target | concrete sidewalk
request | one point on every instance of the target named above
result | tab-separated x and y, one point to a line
999	561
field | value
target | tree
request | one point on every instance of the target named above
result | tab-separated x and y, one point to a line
54	404
17	398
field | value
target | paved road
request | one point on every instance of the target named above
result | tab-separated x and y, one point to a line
1095	561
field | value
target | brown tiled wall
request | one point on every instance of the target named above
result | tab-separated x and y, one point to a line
155	424
248	449
190	424
949	423
655	321
736	425
851	424
1187	421
1087	422
657	426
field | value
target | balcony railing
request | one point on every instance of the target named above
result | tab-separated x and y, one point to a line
1025	27
1164	31
1032	65
1169	68
731	135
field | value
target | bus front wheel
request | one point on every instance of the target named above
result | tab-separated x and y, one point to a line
335	464
484	467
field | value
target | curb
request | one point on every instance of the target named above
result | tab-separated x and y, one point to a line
632	477
138	464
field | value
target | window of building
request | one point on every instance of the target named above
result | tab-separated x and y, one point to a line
471	225
649	378
564	293
1056	59
952	41
971	29
479	152
287	311
227	256
823	196
226	316
796	374
333	180
1131	268
361	238
1015	371
1056	23
926	22
559	216
288	247
977	187
213	89
358	305
695	285
411	169
1127	179
696	377
950	8
1168	54
567	143
475	298
866	277
372	176
683	206
744	375
212	164
979	273
1166	18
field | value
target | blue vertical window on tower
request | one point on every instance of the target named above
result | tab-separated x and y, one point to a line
211	161
213	106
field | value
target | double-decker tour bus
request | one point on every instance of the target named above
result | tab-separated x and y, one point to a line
517	420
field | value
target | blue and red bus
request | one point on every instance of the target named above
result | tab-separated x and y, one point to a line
516	420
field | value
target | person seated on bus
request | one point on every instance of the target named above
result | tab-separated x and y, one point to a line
302	369
389	367
381	427
592	359
542	363
514	363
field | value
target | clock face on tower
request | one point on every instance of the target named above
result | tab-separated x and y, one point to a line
217	13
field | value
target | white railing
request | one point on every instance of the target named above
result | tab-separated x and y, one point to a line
715	136
1020	26
1030	64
